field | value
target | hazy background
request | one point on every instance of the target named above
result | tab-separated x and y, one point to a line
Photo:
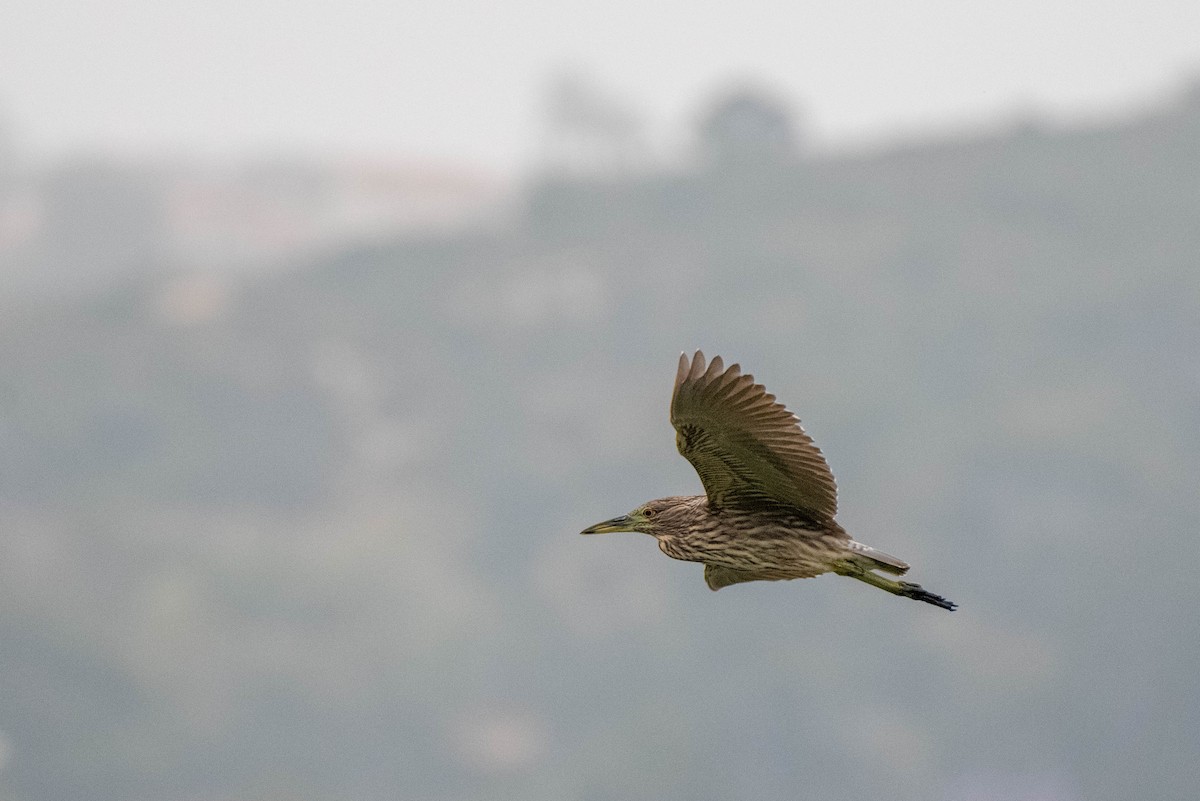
324	330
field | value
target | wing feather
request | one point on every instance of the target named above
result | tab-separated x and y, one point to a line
747	447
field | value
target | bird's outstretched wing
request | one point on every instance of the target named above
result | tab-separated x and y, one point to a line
747	447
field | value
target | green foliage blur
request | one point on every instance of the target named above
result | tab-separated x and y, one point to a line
312	534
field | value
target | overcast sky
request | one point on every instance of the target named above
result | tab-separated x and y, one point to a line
461	80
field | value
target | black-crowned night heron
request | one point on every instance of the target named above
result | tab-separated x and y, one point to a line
770	499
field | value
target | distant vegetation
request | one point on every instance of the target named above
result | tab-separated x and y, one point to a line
312	535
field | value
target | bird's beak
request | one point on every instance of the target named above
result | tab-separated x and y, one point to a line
622	523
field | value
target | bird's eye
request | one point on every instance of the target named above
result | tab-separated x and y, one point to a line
648	513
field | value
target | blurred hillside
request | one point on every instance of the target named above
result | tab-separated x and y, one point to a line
313	535
86	223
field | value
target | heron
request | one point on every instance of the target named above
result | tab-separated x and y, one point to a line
769	502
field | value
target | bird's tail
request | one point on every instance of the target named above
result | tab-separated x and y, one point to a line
873	559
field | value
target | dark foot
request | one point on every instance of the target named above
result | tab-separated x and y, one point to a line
919	593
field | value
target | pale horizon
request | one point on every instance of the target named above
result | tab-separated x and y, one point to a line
466	86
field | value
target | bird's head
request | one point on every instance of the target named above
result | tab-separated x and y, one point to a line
657	517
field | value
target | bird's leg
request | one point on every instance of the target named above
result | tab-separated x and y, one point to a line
904	588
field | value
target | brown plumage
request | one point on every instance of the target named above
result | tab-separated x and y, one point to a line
770	499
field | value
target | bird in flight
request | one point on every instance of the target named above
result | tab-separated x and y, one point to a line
770	499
